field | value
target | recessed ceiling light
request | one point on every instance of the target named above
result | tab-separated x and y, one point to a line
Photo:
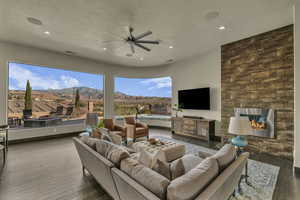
221	27
211	15
141	58
70	52
47	32
34	21
171	47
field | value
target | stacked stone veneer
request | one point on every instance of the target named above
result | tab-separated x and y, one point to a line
258	72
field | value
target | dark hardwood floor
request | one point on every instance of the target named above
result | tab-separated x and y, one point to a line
47	170
51	169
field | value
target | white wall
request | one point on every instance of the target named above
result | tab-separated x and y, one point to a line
197	72
297	84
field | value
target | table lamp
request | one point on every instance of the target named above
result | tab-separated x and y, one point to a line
239	126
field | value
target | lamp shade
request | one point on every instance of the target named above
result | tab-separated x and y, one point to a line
239	126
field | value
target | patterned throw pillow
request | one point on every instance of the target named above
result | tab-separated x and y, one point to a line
96	133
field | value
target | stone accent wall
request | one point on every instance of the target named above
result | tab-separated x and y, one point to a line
258	72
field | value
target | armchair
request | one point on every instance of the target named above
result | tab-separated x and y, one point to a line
136	129
114	129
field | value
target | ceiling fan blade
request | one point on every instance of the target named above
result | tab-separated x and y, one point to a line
143	47
130	32
147	41
143	35
132	47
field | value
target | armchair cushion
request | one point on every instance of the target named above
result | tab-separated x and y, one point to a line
140	130
119	128
143	125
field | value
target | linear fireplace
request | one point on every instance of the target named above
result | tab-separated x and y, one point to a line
262	120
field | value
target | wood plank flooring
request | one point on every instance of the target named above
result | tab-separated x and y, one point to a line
51	170
47	170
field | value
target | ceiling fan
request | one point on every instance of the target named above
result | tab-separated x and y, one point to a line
138	40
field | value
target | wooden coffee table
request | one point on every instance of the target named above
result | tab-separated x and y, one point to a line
166	151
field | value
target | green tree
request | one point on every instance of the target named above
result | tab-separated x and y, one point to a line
77	99
27	98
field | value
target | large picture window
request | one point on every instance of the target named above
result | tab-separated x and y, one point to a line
148	99
41	96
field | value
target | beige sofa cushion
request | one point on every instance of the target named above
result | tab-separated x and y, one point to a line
112	152
147	159
145	176
171	152
225	156
190	185
163	169
91	142
183	165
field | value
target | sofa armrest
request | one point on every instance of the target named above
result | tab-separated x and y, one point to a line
129	189
81	147
224	184
204	155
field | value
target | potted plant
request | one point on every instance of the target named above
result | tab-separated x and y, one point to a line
177	109
27	112
140	109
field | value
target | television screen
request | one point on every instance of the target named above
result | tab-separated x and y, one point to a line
197	99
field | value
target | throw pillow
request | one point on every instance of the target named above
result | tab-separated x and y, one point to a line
116	154
183	165
225	156
96	133
112	152
146	159
106	137
163	169
103	147
189	185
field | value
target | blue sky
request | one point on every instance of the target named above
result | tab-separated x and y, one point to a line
50	78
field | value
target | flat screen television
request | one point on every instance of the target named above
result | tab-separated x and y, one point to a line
196	99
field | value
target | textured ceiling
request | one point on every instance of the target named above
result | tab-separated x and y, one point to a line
85	26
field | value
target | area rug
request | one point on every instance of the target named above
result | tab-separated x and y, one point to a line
262	176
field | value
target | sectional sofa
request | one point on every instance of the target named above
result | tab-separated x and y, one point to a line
124	178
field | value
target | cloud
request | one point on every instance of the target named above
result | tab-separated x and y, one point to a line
157	83
21	75
69	81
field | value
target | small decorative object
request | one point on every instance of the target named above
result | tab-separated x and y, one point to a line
239	126
152	141
140	109
177	109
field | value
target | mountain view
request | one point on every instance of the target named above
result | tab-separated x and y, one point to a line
53	88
